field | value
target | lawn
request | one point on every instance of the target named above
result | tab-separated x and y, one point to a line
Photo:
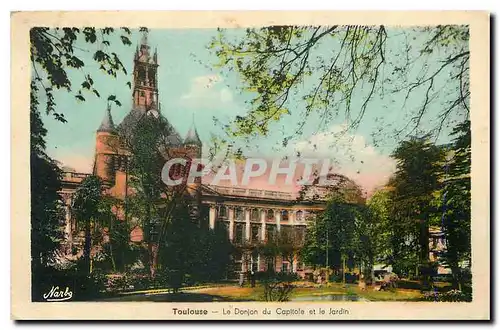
256	294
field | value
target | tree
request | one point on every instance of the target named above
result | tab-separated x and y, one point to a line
342	188
277	286
47	213
87	211
380	204
417	177
151	201
286	244
331	240
456	203
333	70
213	251
55	52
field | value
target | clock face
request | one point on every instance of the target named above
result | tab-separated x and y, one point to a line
153	113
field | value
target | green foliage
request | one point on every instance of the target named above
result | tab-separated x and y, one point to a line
380	206
334	70
47	212
417	177
87	199
449	296
55	52
286	243
456	203
86	209
191	253
277	286
213	254
333	234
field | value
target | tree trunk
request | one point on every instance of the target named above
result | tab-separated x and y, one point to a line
343	270
424	254
153	253
110	233
87	247
113	263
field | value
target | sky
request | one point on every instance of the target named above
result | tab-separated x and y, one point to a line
189	87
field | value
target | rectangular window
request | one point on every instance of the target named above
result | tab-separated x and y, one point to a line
270	264
284	267
255	233
239	214
270	216
237	262
255	215
240	233
255	262
270	233
222	213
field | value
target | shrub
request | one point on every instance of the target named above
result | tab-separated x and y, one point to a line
450	296
84	286
277	286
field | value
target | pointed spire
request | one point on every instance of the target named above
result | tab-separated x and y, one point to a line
107	124
144	40
136	56
155	56
192	137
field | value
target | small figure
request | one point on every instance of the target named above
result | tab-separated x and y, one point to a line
252	278
320	280
242	279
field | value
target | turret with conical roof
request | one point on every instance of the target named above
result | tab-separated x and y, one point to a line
192	137
105	145
107	124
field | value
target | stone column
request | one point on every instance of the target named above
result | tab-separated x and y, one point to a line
263	226
68	229
244	262
262	263
291	217
212	215
277	217
294	265
248	228
231	223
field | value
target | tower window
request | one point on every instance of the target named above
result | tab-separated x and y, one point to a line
142	94
151	76
141	74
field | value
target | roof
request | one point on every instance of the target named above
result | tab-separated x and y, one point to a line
131	120
192	136
107	124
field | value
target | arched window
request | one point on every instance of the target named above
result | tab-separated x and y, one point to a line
141	74
222	212
299	216
151	77
239	214
254	215
284	215
270	215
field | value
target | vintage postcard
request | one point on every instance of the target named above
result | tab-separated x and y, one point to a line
250	165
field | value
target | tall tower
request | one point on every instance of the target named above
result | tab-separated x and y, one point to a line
193	148
145	91
105	149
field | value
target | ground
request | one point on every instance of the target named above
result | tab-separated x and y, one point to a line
231	292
